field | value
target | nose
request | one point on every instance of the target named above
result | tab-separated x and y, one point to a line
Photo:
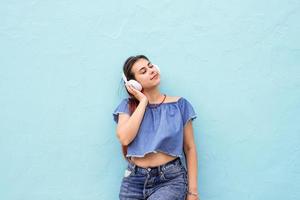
153	69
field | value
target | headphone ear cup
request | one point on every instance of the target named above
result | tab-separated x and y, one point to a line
157	68
135	84
124	78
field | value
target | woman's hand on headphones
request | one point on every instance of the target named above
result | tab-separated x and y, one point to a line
137	94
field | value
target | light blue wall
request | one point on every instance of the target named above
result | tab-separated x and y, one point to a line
237	62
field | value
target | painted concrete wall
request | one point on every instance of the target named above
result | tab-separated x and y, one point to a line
60	65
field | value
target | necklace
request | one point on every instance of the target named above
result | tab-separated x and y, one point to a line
159	103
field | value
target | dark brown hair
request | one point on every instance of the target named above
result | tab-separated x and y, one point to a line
133	102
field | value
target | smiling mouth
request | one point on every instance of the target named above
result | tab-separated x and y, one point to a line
154	76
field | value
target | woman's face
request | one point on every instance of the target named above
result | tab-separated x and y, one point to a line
145	73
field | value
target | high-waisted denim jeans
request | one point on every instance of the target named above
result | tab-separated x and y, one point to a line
164	182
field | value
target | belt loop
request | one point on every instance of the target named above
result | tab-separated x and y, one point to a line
179	160
159	170
133	165
134	168
163	167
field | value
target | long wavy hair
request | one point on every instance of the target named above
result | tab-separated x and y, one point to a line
133	102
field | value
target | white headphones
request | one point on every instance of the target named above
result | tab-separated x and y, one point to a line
134	83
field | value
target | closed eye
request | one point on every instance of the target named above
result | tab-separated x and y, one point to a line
143	69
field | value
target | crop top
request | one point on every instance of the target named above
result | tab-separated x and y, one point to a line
161	128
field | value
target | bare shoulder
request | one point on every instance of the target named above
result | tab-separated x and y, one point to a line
172	98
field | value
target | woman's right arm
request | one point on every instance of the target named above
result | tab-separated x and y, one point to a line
128	126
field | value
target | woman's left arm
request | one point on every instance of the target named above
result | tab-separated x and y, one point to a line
191	160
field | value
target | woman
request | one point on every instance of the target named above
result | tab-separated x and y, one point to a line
155	131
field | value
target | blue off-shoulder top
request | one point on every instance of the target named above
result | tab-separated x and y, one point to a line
161	128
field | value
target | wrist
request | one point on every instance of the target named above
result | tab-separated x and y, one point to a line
144	102
193	189
193	193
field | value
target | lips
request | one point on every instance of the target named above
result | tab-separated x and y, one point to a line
154	76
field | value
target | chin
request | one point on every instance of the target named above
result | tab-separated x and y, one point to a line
153	86
157	84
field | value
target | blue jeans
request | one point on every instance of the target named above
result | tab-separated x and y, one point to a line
164	182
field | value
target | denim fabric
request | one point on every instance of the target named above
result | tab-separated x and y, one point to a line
164	182
161	128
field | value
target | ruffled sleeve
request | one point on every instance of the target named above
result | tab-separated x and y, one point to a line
187	111
121	108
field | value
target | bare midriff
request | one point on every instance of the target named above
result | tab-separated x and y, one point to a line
156	158
152	159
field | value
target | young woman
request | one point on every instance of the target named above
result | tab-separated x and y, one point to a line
155	131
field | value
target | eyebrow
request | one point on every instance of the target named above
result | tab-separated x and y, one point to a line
144	67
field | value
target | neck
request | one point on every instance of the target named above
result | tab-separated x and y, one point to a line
153	95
